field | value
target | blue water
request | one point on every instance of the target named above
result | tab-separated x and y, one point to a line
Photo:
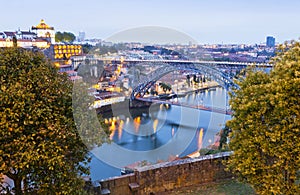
160	134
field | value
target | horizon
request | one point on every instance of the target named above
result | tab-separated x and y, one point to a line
214	22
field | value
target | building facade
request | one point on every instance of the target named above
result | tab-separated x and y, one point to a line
40	36
270	41
45	31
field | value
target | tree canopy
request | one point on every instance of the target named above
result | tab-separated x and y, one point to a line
166	87
66	37
266	125
40	148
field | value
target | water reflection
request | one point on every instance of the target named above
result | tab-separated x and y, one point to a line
137	123
154	128
200	137
155	123
120	129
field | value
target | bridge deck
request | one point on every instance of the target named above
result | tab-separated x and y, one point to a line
207	62
199	107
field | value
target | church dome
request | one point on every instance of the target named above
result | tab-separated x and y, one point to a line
42	25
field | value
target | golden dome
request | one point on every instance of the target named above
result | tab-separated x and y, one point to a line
42	25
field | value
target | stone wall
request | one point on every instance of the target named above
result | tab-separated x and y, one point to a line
168	176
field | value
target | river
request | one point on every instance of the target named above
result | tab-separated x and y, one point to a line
161	133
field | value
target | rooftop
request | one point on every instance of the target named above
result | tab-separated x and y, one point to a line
42	25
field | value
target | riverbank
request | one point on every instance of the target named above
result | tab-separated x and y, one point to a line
125	104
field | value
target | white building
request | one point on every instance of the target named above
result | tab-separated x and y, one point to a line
43	30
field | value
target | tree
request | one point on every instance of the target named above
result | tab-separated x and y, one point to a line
66	37
166	87
40	148
15	41
58	36
224	137
266	126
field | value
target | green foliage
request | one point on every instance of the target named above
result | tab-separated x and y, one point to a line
90	125
86	48
15	41
40	148
65	37
166	87
224	137
227	187
208	151
266	126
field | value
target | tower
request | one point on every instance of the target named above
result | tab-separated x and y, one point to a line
81	36
44	31
270	41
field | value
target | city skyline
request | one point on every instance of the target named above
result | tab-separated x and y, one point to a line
212	22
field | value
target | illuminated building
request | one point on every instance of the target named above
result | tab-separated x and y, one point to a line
43	30
41	38
64	52
109	99
6	40
61	54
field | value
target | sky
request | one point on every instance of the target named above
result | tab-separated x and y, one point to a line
206	21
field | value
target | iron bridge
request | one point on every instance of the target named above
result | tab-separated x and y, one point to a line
144	84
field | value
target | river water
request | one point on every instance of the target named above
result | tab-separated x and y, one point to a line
159	133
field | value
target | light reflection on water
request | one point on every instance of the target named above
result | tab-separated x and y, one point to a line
155	130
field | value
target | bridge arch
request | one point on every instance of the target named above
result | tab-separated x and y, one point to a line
220	77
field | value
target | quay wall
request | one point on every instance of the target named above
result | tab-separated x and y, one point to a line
167	176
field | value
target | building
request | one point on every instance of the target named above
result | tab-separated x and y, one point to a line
25	39
43	30
40	36
64	51
81	36
270	41
26	35
69	70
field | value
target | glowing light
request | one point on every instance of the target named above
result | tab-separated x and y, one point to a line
200	137
155	123
120	129
112	128
161	106
106	121
57	64
137	123
122	59
167	106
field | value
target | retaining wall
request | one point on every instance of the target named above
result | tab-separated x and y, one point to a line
167	176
